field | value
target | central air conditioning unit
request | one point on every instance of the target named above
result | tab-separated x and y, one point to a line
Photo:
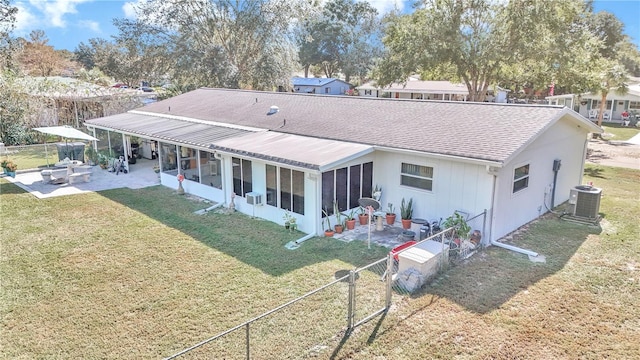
587	201
254	198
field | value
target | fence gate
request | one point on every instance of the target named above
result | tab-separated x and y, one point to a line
369	292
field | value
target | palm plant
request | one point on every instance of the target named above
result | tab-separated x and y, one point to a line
613	77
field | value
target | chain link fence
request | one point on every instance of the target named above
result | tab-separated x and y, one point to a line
331	312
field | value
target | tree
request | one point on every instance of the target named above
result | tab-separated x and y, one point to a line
7	43
482	41
226	43
38	58
612	76
344	36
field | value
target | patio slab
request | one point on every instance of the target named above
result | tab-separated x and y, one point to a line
140	175
389	236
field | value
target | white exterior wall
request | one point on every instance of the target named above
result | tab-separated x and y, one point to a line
305	223
456	186
565	141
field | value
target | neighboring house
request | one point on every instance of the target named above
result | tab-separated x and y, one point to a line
324	86
301	152
588	104
427	90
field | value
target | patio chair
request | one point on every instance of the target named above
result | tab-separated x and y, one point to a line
606	116
593	114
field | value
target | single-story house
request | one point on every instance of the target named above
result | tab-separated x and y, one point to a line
588	104
283	151
418	89
324	86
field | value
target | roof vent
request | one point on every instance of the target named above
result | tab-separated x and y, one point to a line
272	110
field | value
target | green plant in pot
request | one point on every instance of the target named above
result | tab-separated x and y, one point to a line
363	216
406	213
391	214
351	220
10	168
328	232
91	155
339	227
289	221
460	227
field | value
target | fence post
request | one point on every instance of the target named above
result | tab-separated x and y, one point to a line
248	348
352	300
389	282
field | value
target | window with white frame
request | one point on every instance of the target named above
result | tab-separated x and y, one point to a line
634	105
521	178
417	176
290	183
367	92
242	180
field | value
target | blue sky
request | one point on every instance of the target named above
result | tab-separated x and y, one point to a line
69	22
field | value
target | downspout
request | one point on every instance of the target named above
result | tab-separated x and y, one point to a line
499	244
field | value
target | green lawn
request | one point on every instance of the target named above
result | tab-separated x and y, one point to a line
135	274
32	156
614	131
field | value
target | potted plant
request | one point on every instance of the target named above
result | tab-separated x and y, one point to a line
10	168
92	155
363	216
339	227
103	161
460	227
391	214
289	221
328	232
351	220
406	213
377	193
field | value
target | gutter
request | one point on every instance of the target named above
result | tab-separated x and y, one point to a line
499	244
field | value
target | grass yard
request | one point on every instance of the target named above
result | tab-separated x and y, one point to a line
615	131
32	156
134	274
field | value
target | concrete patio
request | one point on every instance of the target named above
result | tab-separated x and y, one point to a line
140	175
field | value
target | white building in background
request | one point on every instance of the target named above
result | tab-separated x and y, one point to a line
588	104
323	86
428	90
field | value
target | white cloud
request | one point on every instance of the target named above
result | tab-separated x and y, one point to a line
384	6
54	11
90	24
25	20
129	9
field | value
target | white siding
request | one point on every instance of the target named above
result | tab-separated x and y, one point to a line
456	186
565	141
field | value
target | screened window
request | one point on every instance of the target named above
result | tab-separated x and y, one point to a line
521	178
417	176
634	105
272	185
287	187
242	182
346	186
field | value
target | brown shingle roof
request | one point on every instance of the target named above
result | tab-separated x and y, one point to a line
485	131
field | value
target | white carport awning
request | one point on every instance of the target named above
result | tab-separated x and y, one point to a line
293	150
66	131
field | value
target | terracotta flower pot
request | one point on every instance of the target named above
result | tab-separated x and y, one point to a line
328	233
406	224
351	224
391	219
364	219
339	229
